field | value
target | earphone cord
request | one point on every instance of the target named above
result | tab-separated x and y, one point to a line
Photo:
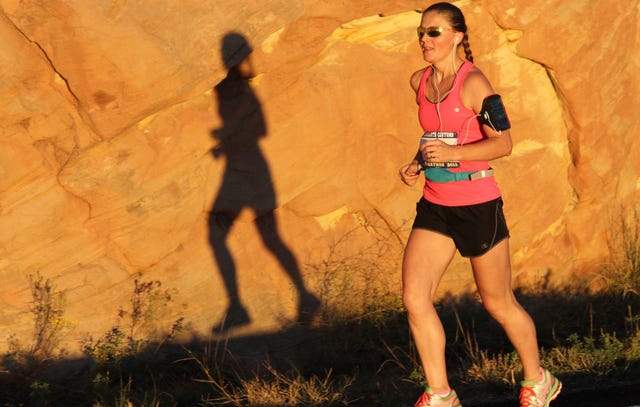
492	126
466	134
437	89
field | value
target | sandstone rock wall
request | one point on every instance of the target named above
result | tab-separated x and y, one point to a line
108	171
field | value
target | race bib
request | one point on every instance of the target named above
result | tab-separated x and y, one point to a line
449	137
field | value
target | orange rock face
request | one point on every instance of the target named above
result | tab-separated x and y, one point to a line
122	133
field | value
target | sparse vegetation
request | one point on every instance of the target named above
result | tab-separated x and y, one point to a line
23	362
622	274
345	273
358	352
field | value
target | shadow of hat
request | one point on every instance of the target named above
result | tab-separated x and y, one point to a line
235	49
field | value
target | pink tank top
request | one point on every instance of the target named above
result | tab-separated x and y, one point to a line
457	125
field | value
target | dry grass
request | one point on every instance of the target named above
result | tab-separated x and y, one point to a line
359	353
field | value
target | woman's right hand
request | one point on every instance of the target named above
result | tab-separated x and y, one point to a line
410	173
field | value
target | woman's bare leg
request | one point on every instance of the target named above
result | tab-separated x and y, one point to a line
492	273
426	258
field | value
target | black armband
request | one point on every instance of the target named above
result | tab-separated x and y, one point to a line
493	113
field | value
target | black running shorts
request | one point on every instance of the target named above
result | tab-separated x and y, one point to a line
474	228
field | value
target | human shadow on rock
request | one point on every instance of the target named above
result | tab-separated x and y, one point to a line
246	183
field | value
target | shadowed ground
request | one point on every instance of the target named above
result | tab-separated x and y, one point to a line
374	352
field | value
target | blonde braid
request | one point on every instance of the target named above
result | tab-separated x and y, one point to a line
467	48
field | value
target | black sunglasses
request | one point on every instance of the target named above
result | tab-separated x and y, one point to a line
431	31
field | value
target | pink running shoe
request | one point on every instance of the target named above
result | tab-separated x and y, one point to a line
428	399
539	394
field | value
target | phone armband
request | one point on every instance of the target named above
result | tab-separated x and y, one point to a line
493	113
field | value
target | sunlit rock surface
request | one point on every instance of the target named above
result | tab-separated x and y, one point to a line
111	164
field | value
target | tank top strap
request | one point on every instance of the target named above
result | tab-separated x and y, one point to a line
462	74
420	95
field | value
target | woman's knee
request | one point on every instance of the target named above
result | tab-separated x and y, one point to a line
500	308
417	303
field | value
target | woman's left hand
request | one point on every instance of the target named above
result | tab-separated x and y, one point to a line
437	151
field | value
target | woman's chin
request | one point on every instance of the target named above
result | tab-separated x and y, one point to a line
427	56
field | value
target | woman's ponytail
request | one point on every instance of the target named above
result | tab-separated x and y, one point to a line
467	48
